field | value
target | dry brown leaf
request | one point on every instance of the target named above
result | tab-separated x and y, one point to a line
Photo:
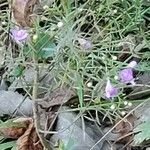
47	107
13	133
127	44
29	140
124	128
13	129
22	11
57	97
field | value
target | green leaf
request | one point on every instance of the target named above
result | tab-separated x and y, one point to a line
47	51
69	145
79	84
12	123
144	132
7	145
14	147
18	71
44	46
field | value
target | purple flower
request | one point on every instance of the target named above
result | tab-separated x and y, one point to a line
110	90
126	75
19	35
86	44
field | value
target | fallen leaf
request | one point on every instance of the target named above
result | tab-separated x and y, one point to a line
22	129
127	45
22	11
47	107
57	97
124	128
29	140
13	129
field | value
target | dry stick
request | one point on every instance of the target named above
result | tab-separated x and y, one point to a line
124	136
45	144
119	122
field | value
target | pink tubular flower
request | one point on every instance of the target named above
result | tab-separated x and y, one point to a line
126	75
19	35
110	90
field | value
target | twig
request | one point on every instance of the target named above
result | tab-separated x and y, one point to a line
45	144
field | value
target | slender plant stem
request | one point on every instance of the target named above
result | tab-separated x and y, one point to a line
36	115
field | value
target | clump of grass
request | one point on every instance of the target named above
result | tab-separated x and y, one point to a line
108	25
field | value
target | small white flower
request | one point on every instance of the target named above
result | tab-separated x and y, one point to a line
100	67
112	107
116	77
123	113
35	37
89	84
125	103
80	9
60	24
45	7
129	104
114	57
115	11
4	23
103	57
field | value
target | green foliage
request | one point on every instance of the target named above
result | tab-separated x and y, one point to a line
79	84
61	145
107	25
18	71
143	66
143	132
69	145
11	123
44	46
6	145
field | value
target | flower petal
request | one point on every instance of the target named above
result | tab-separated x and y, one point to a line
126	75
19	35
110	90
86	44
132	64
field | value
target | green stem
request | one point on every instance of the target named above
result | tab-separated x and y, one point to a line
36	76
66	6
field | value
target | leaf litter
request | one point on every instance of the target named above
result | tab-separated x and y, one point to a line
22	11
